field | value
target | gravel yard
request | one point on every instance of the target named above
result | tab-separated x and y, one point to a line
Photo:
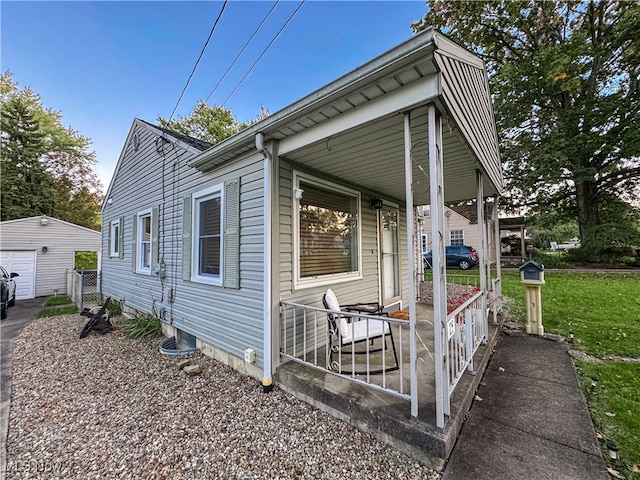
109	407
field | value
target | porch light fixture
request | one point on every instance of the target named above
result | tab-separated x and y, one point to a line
613	450
376	202
45	249
44	220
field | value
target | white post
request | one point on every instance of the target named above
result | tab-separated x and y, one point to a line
436	187
482	251
408	172
496	233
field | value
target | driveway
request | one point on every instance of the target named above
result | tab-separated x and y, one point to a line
19	317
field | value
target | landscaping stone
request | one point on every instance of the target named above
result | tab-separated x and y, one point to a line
192	370
182	364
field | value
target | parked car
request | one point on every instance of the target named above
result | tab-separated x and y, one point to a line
457	256
4	299
8	278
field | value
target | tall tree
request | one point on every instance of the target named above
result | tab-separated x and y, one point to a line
565	77
46	167
211	124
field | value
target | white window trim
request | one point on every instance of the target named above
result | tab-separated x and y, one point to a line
299	283
114	238
140	233
216	190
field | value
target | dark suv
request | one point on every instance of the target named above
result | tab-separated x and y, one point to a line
457	256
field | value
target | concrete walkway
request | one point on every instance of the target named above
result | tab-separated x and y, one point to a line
19	316
532	421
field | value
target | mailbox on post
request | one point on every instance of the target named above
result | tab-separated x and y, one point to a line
532	275
532	272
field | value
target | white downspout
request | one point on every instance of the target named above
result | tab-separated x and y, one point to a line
267	380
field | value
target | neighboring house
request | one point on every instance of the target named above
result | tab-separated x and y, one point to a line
233	246
41	250
460	228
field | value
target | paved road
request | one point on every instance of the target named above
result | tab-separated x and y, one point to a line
19	317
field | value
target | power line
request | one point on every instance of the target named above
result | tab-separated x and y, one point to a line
199	58
242	51
263	52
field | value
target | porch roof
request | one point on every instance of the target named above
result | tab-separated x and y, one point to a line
352	129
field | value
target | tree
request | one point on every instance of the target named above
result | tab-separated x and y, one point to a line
46	167
565	82
211	124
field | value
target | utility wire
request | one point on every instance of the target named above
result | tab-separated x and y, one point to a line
242	51
262	54
199	58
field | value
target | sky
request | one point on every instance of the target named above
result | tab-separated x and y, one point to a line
102	64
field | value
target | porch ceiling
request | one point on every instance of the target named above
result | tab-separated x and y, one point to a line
372	158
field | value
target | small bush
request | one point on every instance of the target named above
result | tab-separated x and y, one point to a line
611	255
53	301
142	325
53	312
85	260
550	261
114	308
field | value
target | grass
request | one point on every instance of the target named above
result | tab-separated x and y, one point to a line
55	311
61	300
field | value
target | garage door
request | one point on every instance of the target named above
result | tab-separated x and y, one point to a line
24	264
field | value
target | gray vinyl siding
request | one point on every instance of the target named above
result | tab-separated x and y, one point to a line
62	240
228	318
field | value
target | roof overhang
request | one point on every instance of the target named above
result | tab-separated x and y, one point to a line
352	129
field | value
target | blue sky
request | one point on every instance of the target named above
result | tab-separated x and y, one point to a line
102	64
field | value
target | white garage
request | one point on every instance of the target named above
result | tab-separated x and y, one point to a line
41	250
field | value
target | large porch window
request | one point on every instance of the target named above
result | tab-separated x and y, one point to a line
327	233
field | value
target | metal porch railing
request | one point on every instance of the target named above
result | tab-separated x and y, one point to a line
306	339
466	330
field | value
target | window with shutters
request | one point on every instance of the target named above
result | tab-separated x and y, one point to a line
327	242
207	252
143	249
114	239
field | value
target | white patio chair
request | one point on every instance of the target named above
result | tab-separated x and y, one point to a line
351	330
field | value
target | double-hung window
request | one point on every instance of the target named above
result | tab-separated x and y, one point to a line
327	232
207	234
143	252
457	237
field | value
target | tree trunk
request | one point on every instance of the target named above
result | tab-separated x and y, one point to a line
588	214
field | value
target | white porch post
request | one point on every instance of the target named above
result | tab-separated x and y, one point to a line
483	248
496	233
438	267
408	172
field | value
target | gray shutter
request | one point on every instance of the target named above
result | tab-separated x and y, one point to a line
134	242
121	234
186	238
109	240
231	275
155	239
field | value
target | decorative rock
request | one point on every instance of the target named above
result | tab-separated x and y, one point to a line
192	370
182	364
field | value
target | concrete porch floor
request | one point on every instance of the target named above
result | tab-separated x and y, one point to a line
387	416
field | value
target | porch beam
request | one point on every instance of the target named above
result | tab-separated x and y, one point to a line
496	233
438	266
391	103
413	357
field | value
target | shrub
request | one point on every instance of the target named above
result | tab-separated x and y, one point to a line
114	308
611	254
142	325
550	261
85	260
